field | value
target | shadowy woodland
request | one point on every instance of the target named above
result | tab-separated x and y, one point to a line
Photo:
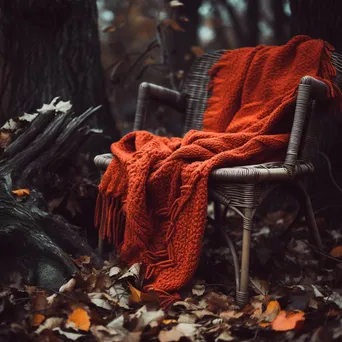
69	77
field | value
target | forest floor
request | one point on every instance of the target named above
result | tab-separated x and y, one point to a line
296	295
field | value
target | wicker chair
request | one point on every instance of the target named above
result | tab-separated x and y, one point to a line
242	189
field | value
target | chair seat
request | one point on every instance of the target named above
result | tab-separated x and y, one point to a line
274	171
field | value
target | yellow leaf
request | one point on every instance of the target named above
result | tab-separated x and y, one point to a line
37	320
111	28
197	51
173	24
21	192
137	296
288	320
336	252
271	312
168	321
79	319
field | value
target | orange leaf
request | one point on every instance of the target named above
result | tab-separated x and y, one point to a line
79	319
271	312
197	51
37	320
137	296
264	324
173	24
21	192
336	252
288	320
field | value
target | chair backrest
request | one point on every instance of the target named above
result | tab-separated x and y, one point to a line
196	89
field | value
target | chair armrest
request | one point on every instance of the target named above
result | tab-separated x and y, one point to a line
149	91
309	89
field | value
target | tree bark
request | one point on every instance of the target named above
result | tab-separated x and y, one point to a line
33	242
51	48
318	19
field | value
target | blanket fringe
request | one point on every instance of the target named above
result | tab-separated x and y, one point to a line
110	218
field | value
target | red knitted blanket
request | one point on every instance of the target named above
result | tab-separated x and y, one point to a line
152	200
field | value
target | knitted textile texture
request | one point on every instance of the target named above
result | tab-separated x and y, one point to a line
152	201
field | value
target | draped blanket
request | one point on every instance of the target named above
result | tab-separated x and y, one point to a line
152	201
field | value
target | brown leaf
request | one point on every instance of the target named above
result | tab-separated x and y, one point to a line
288	320
218	302
21	192
173	24
111	28
197	51
336	252
79	319
138	297
260	286
5	139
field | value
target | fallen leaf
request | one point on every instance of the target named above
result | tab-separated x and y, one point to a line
114	271
203	313
50	323
175	3
317	292
146	317
186	305
5	139
186	318
336	252
137	296
260	286
288	320
39	303
111	28
170	335
173	24
68	287
21	192
79	319
198	290
119	293
98	300
169	321
231	314
188	330
197	51
133	271
336	298
37	320
224	336
69	335
271	312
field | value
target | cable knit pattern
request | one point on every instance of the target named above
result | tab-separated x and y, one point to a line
153	197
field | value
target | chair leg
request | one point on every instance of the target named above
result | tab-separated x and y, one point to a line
242	292
100	245
311	221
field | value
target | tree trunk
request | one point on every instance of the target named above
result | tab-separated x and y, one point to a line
280	22
179	43
253	16
318	19
51	48
33	242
